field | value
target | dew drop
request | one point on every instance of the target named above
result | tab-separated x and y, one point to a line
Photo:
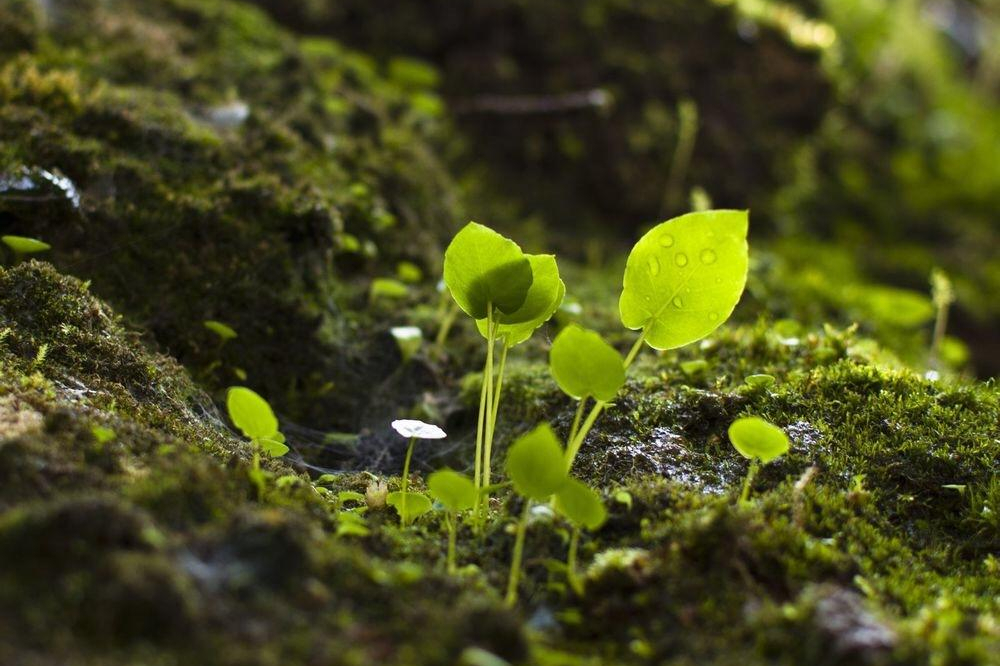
708	256
713	316
678	302
654	266
681	259
666	240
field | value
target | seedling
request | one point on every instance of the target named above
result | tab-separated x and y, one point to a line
409	340
583	507
760	442
759	381
253	416
411	505
537	468
585	366
456	493
224	331
943	295
494	282
387	288
22	246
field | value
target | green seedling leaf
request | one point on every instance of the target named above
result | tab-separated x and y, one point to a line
544	297
272	446
754	437
351	496
455	491
409	272
535	464
580	504
694	367
685	276
387	288
222	330
252	415
759	381
417	505
408	339
102	434
25	245
583	364
481	267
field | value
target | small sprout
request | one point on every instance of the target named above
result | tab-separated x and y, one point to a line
382	288
376	493
22	245
224	331
583	507
409	272
624	498
253	416
102	434
407	504
761	381
695	367
537	469
409	340
757	440
684	277
456	492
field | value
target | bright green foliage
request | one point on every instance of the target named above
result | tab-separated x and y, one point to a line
409	272
759	381
543	299
408	505
224	331
253	416
581	505
754	437
387	288
455	491
685	276
583	364
481	268
24	245
535	464
409	339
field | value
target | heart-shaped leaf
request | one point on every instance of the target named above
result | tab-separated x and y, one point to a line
580	504
754	437
455	491
685	276
544	297
408	505
535	464
481	268
583	364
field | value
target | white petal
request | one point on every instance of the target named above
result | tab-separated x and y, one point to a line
418	429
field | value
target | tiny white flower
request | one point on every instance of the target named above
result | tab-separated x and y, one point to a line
418	429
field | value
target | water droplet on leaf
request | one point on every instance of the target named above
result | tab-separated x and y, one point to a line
666	240
708	256
681	259
654	266
678	302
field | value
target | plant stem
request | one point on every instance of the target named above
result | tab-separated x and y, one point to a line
490	398
574	580
576	419
404	484
576	443
446	324
515	562
496	401
452	519
491	430
751	473
632	353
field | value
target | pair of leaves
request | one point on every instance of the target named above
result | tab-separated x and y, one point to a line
256	420
685	276
543	299
583	365
537	468
754	437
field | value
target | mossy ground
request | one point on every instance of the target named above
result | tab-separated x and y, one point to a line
136	527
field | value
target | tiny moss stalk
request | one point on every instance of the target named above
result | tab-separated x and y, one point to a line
451	519
515	562
751	473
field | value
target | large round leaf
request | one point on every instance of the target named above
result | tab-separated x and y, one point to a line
535	464
455	491
583	364
251	414
580	504
684	277
544	298
481	267
754	437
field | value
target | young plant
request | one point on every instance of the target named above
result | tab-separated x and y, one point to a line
456	493
509	294
409	505
22	246
585	366
408	339
256	420
537	469
225	332
760	442
583	508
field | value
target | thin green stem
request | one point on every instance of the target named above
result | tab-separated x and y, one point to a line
452	519
574	580
446	323
632	353
515	562
404	484
576	419
490	398
491	431
751	473
500	371
576	443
